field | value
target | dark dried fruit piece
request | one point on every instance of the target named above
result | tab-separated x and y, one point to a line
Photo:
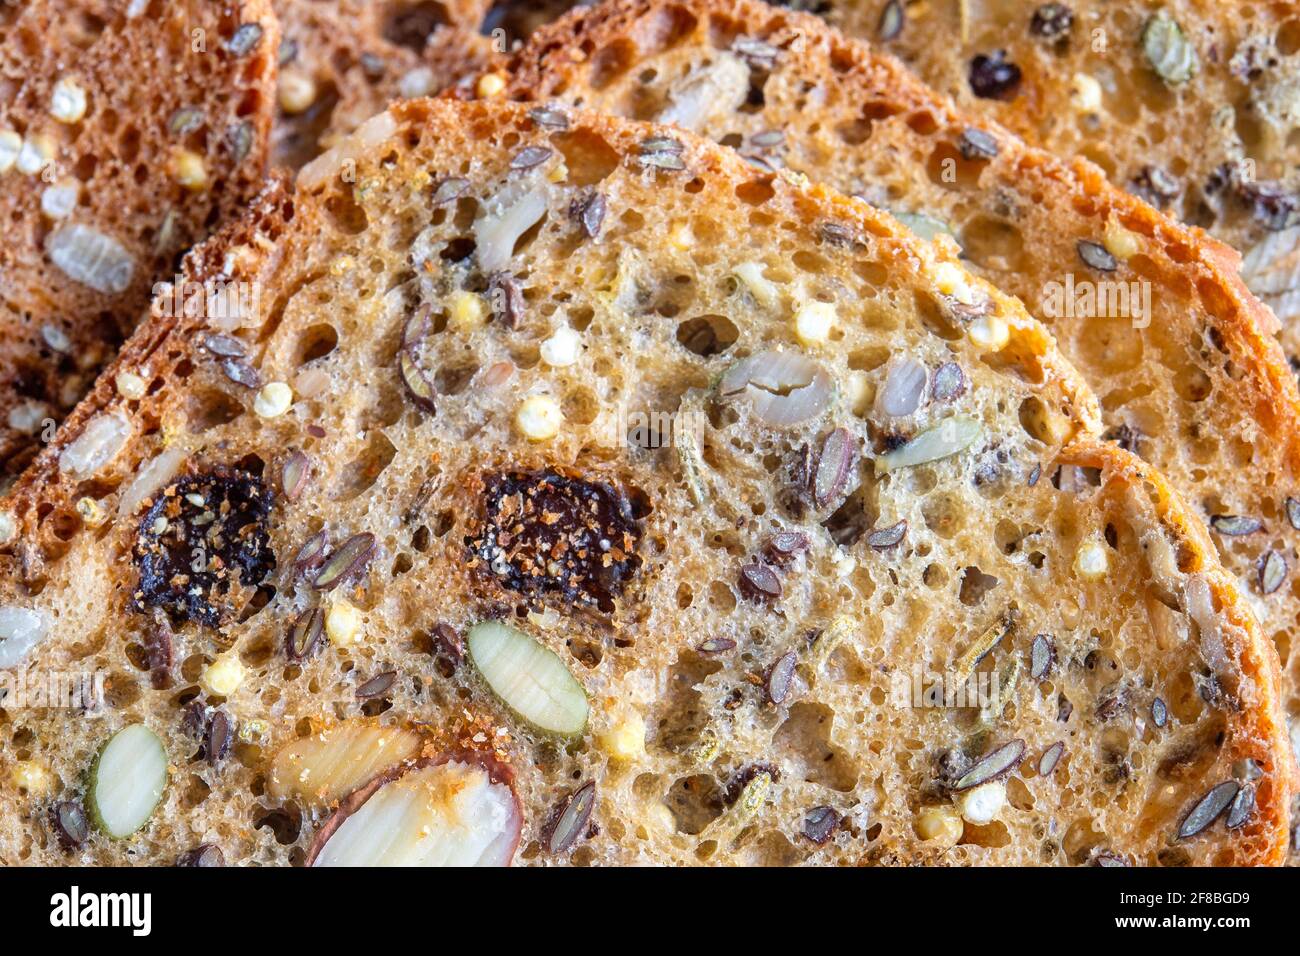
780	676
1096	255
991	77
216	743
1242	808
530	157
203	855
571	819
717	645
507	299
1208	809
377	686
949	382
882	539
820	823
784	546
1051	21
71	826
1272	571
1042	655
204	535
294	474
1272	204
550	533
348	562
1050	758
975	143
1159	712
1235	525
892	19
305	635
997	763
758	582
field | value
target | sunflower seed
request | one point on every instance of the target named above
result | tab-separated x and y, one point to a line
1094	254
1272	572
1242	809
245	39
185	121
1293	512
717	645
418	385
779	678
882	539
349	561
241	373
450	640
530	157
976	144
759	582
949	382
1168	50
834	466
758	53
312	552
892	19
993	765
294	474
1109	859
549	117
1235	525
216	743
70	824
1042	654
819	824
767	139
1159	713
449	190
1208	809
304	637
1050	758
288	51
240	138
224	346
203	855
377	686
662	152
589	212
571	819
784	546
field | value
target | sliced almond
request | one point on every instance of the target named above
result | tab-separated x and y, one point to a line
323	768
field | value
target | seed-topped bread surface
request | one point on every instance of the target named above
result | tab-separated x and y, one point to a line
572	491
128	132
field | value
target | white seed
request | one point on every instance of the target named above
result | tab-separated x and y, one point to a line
813	323
21	629
1085	93
1091	560
760	287
467	311
11	145
8	527
981	805
490	85
189	169
27	417
97	445
624	739
539	418
942	824
273	400
223	676
60	200
91	257
417	82
342	623
561	349
68	101
297	91
989	333
130	386
35	153
1121	243
31	776
56	338
949	279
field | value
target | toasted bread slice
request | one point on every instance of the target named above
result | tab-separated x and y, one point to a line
1191	104
1186	375
127	132
343	61
656	495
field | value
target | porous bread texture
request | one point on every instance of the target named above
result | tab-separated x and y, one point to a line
343	61
1225	139
693	760
172	142
1194	386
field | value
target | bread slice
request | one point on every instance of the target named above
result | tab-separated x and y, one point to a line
587	472
343	61
1190	103
1192	384
138	128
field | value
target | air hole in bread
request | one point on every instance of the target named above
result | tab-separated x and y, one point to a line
707	335
362	472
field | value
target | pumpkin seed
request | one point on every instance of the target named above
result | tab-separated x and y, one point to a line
1208	809
943	440
572	819
882	539
1168	50
975	143
529	678
1096	255
1235	525
1050	758
348	561
1042	655
1272	572
819	824
995	764
779	678
304	637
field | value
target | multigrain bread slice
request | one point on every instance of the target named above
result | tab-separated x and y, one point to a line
641	498
343	61
128	131
1192	384
1191	103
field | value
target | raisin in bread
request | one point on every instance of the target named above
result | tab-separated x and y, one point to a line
343	61
1192	384
1192	103
128	130
592	496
